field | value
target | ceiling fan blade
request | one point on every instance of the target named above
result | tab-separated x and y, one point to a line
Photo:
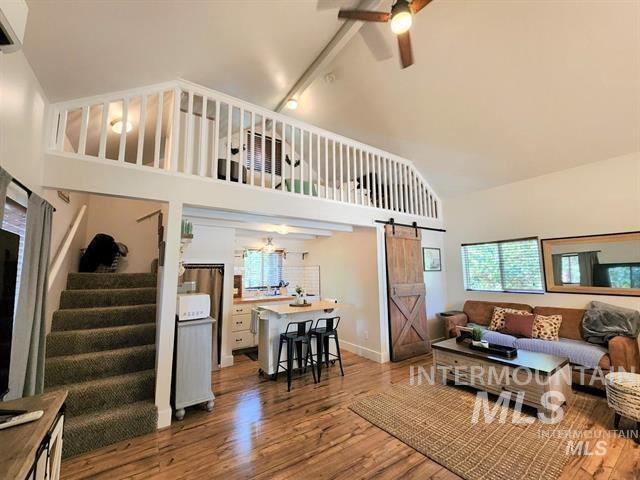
417	5
406	53
364	15
377	42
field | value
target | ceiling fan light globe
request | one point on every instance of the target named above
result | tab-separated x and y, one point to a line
292	104
401	22
116	126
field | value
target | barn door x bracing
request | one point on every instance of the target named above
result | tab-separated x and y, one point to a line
408	335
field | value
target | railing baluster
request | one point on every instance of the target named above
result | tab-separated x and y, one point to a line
84	122
350	184
216	141
263	143
283	156
62	132
175	131
204	132
241	151
123	133
341	147
292	178
333	162
189	136
141	128
158	137
301	161
326	167
318	160
310	148
361	176
385	183
273	153
227	176
102	149
252	144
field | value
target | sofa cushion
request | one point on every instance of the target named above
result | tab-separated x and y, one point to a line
518	325
481	312
497	320
578	352
547	328
571	326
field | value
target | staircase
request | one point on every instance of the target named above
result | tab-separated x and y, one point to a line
102	350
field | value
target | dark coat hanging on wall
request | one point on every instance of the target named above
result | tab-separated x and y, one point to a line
101	251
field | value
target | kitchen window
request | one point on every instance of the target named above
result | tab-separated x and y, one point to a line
262	269
503	266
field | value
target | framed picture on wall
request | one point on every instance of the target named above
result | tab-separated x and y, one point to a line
431	259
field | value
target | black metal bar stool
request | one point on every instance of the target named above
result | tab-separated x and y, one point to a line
296	335
326	329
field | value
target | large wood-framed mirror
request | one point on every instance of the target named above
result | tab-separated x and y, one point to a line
606	264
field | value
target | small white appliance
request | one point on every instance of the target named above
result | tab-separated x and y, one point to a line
192	306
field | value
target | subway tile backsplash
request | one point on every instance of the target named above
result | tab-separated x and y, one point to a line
308	277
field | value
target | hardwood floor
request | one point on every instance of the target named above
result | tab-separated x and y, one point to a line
258	430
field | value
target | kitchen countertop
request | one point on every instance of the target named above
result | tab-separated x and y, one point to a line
263	298
285	309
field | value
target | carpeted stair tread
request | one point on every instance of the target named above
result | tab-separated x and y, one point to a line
73	342
102	317
88	281
107	298
94	430
110	392
90	366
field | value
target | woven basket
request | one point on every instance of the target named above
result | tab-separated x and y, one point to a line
623	393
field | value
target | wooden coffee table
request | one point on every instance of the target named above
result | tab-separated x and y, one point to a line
529	372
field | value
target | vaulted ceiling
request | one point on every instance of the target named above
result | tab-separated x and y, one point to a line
500	91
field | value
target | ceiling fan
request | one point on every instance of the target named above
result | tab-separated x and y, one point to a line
400	19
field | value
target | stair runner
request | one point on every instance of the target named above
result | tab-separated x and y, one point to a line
101	349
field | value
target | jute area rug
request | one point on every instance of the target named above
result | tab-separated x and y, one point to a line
436	421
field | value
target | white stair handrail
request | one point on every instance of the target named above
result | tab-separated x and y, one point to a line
61	254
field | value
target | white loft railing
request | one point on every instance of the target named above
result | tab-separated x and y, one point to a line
181	127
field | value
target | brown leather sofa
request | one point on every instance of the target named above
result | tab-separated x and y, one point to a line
623	351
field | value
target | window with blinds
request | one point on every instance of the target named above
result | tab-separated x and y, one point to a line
260	156
504	266
262	269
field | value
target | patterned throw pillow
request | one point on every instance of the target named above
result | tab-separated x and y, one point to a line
547	328
497	320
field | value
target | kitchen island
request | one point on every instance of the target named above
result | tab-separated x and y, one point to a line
273	322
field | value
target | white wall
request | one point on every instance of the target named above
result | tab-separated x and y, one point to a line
436	284
117	217
601	197
63	219
349	272
22	110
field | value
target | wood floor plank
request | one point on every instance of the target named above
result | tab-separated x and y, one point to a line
259	430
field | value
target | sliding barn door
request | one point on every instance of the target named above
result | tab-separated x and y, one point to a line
408	335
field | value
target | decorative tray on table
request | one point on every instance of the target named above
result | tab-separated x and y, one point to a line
493	349
300	304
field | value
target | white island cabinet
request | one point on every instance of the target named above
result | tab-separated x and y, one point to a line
273	322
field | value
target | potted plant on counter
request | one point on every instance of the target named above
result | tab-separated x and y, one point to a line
299	293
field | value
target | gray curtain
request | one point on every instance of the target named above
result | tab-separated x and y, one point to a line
5	180
209	280
587	260
29	333
557	269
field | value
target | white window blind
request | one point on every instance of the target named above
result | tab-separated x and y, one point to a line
503	266
262	269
